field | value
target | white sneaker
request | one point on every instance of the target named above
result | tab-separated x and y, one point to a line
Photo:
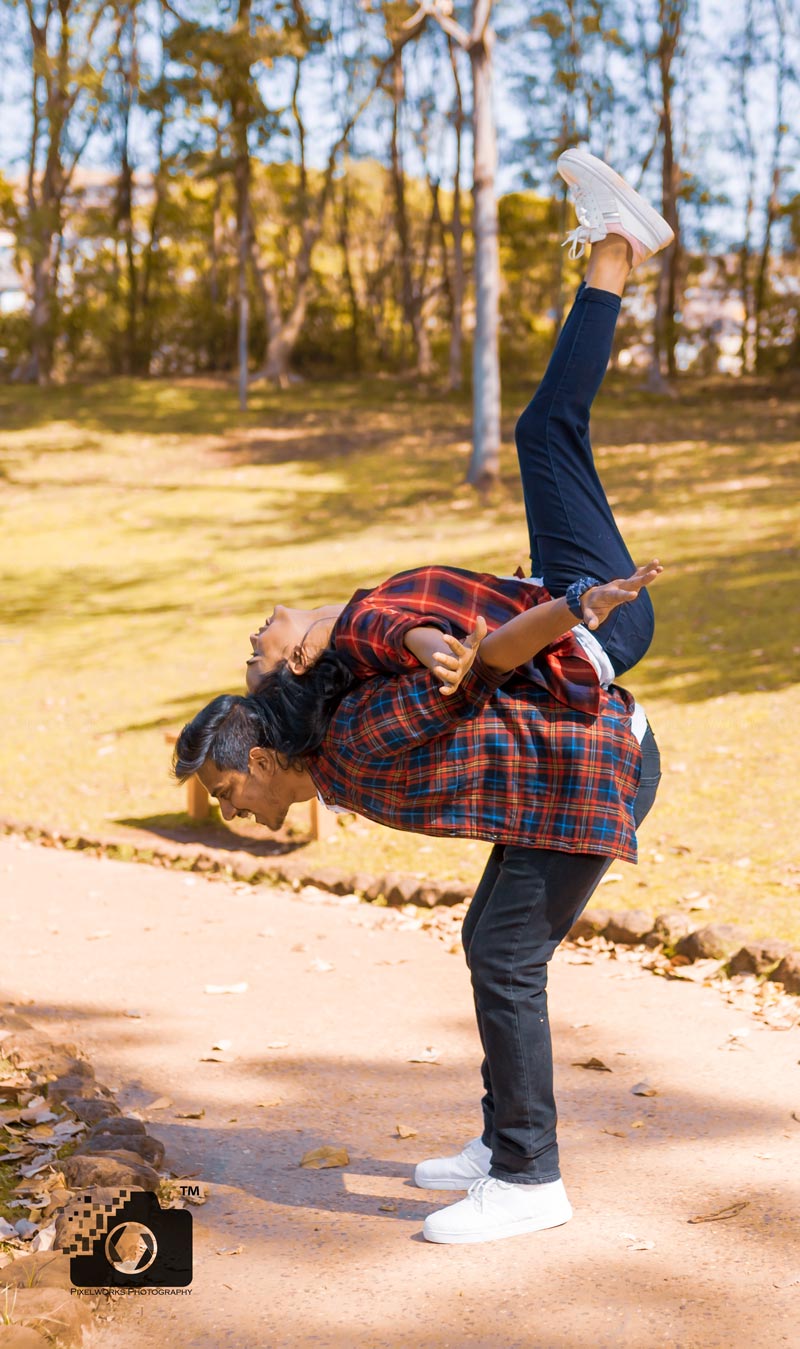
606	204
499	1208
455	1173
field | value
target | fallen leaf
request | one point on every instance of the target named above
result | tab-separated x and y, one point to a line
96	936
225	988
428	1055
277	1044
405	1131
321	966
796	1115
160	1104
41	1131
266	1104
216	1056
596	1064
318	1158
638	1124
789	1282
229	1250
133	1012
644	1088
637	1243
721	1213
222	1044
388	1207
197	1113
615	1133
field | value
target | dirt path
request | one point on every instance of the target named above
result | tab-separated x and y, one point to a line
321	1264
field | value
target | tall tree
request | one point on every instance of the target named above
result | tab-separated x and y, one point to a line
671	16
478	42
66	80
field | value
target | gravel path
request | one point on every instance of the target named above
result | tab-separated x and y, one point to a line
320	1262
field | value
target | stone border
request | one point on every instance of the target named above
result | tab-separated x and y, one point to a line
115	1151
673	932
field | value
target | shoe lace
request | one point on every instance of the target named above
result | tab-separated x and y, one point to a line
478	1189
586	211
577	239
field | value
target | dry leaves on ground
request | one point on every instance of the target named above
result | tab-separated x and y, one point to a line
596	1064
319	1158
428	1055
720	1214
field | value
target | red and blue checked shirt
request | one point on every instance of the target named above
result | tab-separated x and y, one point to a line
370	632
505	764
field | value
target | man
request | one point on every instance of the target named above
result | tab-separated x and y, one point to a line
558	791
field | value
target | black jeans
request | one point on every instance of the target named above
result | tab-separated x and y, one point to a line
528	898
571	525
525	904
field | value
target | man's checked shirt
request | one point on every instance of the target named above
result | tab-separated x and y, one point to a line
370	632
506	764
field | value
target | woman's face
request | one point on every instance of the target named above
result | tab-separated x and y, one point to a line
277	639
296	635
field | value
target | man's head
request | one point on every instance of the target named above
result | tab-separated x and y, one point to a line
230	745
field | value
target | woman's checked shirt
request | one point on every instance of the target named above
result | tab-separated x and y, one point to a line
501	759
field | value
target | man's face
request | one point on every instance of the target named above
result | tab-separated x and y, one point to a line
266	791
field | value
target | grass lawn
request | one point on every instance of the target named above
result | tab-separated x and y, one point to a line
147	527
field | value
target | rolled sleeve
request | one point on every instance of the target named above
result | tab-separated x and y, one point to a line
372	639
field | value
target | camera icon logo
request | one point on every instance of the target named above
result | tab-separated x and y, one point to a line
124	1239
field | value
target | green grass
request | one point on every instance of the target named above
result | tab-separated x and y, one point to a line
148	526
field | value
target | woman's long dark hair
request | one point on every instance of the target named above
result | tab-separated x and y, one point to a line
288	713
299	707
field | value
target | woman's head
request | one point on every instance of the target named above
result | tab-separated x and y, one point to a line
296	636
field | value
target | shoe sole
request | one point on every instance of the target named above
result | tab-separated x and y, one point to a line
515	1229
448	1184
641	209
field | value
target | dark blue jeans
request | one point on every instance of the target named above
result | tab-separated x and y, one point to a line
571	526
525	904
528	898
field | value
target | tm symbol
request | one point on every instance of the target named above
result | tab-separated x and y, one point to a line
191	1190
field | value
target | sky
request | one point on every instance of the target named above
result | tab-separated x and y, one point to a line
705	121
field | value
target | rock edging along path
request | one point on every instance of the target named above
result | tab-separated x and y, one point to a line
735	953
67	1143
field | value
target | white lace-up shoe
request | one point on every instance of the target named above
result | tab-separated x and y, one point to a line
455	1173
498	1208
606	204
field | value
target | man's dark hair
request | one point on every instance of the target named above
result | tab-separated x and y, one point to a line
288	713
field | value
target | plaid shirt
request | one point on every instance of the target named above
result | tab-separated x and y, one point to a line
504	764
370	633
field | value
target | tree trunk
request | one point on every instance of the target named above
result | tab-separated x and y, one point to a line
352	297
761	288
671	14
455	361
240	119
484	465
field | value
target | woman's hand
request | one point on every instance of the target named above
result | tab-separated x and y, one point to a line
598	602
452	669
